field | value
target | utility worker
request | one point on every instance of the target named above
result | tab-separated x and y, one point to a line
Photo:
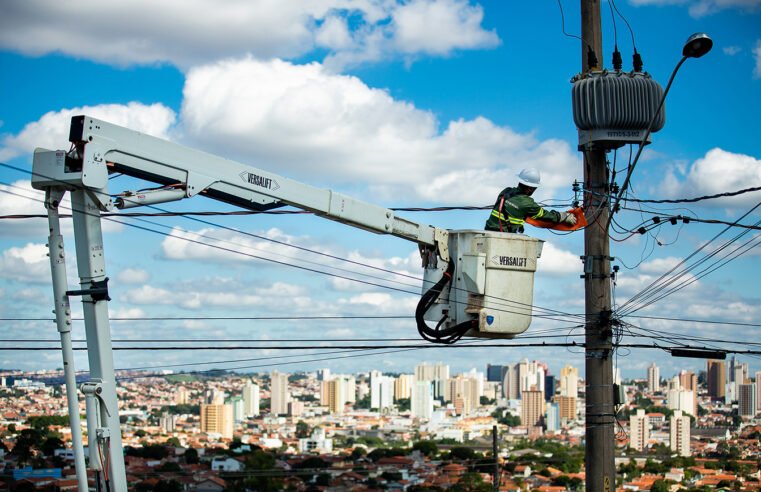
515	205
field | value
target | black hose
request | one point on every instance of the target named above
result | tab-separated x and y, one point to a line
437	335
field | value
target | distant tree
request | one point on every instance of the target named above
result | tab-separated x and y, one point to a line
169	466
27	442
302	429
191	456
173	441
462	453
404	404
660	486
471	482
363	403
428	448
357	453
140	433
485	400
51	444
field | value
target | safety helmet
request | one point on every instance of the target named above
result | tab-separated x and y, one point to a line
529	177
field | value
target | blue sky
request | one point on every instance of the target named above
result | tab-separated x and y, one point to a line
418	103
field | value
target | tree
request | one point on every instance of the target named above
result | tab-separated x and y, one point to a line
462	453
472	482
169	466
191	456
51	444
428	448
27	443
660	486
302	430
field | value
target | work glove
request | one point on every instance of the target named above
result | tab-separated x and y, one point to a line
568	218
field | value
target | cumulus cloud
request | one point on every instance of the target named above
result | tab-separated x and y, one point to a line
28	263
718	172
700	8
279	295
731	50
186	33
757	57
210	244
133	276
51	131
314	124
558	262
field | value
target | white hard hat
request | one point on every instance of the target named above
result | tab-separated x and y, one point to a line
530	177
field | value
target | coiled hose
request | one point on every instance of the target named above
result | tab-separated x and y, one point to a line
438	335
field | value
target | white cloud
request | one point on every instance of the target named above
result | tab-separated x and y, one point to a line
700	8
189	32
731	50
313	124
133	276
435	27
757	57
19	198
51	131
558	262
29	263
279	295
718	172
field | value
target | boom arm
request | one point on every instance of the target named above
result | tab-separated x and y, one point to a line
189	172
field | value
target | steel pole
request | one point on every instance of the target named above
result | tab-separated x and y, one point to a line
92	272
62	312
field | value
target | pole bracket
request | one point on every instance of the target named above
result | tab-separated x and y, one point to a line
98	291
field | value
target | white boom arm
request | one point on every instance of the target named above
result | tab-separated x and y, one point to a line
191	172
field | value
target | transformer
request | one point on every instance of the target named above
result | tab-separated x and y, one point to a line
612	109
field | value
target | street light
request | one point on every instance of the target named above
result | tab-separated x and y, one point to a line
696	46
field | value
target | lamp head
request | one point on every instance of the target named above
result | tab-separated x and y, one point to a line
697	45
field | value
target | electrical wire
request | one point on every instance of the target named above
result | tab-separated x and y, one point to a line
505	302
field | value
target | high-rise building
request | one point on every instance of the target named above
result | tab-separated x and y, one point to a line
218	419
746	400
422	400
403	386
639	430
436	374
332	395
168	422
236	402
381	391
683	400
550	386
688	380
495	373
758	392
279	394
567	407
182	396
511	383
466	389
653	378
552	419
569	381
679	430
295	408
532	407
251	399
715	376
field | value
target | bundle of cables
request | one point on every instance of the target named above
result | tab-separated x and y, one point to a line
438	334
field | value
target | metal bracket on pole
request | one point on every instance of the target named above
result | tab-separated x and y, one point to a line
98	291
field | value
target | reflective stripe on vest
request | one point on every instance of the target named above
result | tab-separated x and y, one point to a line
512	220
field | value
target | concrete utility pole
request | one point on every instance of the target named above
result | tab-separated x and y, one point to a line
599	459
